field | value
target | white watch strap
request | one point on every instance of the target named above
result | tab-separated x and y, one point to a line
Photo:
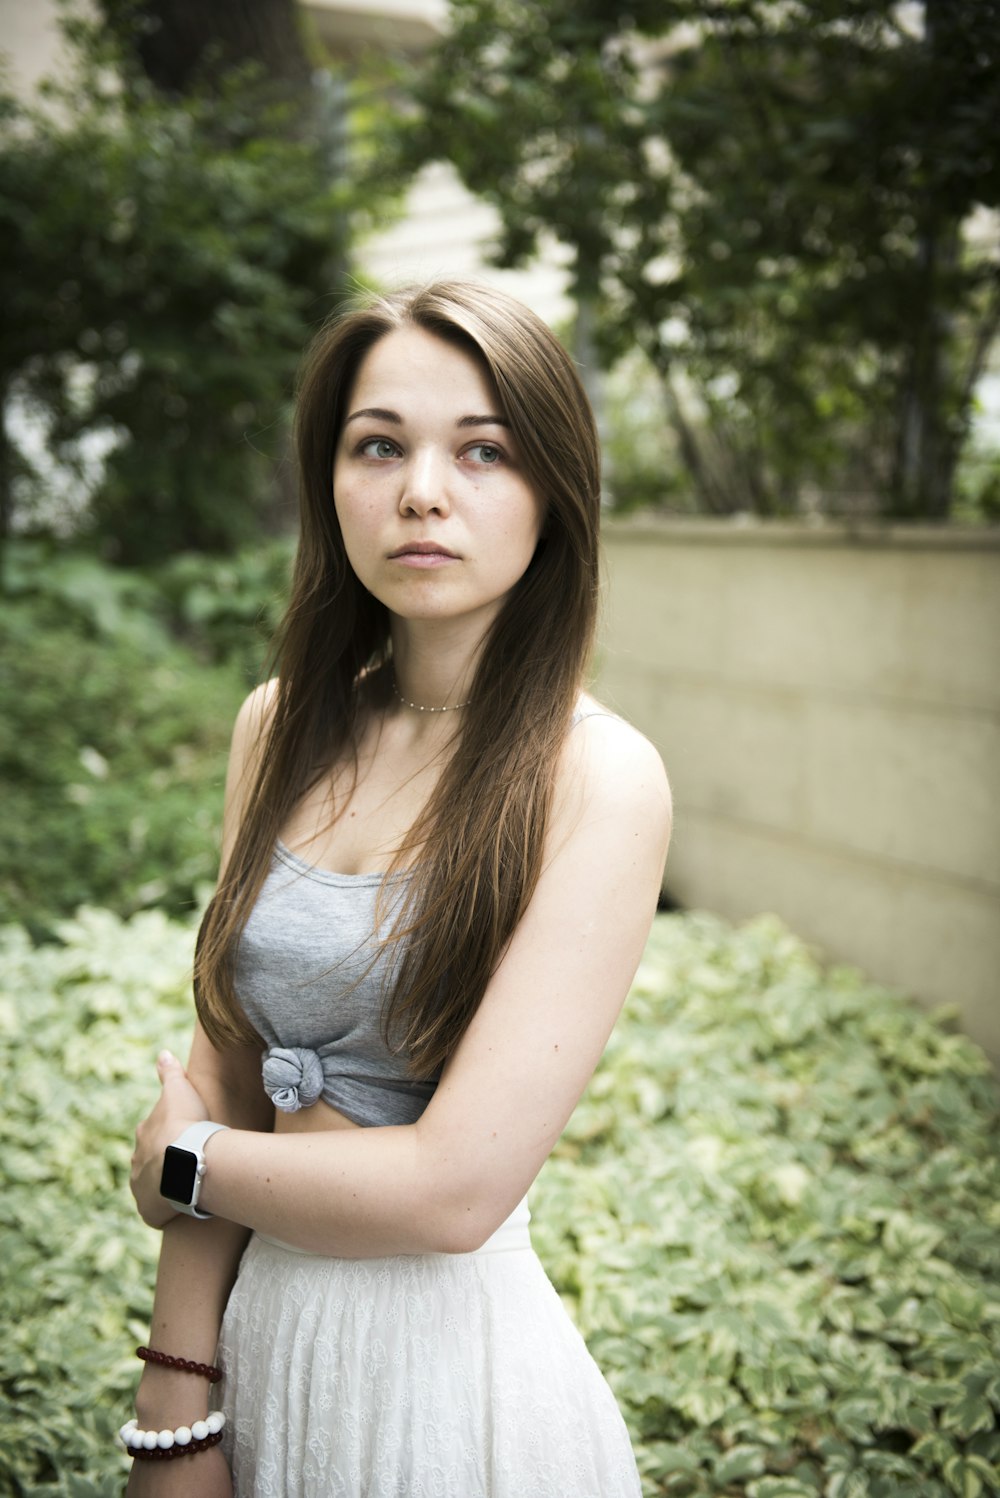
197	1135
194	1139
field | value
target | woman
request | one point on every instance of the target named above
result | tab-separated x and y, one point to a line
440	865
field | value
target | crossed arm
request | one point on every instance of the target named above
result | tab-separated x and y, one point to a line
445	1183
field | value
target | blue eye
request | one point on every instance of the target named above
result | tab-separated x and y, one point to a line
382	448
488	453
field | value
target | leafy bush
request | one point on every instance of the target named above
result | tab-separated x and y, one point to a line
223	608
113	745
642	465
165	263
227	608
80	1025
774	1214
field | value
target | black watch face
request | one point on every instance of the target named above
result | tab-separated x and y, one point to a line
180	1169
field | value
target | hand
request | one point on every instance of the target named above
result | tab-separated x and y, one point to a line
179	1104
206	1475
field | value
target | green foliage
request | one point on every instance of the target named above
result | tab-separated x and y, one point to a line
80	1027
642	466
978	482
768	197
227	608
774	1215
164	263
114	737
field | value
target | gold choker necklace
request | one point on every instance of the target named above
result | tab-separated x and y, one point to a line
417	708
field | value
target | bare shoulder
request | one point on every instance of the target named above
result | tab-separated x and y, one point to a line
255	714
610	768
249	731
252	722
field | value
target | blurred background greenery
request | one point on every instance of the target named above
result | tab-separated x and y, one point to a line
779	220
783	279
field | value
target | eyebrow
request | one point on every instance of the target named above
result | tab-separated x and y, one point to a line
377	413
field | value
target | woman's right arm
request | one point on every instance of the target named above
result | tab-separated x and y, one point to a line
199	1259
198	1264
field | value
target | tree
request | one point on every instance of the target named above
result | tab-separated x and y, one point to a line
163	264
180	44
770	197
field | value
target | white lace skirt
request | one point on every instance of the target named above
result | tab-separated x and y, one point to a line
415	1376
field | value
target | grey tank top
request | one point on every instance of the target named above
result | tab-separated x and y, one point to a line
313	977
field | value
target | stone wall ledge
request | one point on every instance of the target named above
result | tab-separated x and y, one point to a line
826	697
753	530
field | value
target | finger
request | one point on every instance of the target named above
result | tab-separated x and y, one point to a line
167	1064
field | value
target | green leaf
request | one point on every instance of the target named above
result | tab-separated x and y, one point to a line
970	1476
782	1487
968	1415
739	1463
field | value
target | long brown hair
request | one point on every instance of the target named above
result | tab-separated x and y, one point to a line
481	834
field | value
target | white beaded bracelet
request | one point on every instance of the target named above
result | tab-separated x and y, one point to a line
148	1440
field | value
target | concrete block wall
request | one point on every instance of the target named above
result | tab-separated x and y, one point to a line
827	702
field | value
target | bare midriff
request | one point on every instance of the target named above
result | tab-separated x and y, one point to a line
312	1120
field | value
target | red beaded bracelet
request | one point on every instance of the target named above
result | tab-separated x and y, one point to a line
158	1454
183	1365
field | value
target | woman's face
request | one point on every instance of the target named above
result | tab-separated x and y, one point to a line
438	520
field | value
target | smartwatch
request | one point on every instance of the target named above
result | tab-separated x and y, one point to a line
184	1167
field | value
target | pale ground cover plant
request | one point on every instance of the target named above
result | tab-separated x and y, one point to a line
776	1212
774	1216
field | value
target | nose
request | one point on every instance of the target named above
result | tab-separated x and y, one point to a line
425	484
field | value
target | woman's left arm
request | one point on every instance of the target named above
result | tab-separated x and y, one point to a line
445	1183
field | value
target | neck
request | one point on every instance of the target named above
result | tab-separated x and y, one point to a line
422	707
433	673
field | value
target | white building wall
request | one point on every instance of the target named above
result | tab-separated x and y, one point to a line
31	42
442	230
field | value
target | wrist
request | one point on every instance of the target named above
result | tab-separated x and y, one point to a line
184	1166
214	1156
167	1398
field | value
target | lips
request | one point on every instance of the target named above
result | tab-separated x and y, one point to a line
421	549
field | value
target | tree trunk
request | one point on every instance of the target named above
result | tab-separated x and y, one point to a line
921	488
712	495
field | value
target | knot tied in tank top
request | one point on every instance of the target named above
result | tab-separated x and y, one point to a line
293	1077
